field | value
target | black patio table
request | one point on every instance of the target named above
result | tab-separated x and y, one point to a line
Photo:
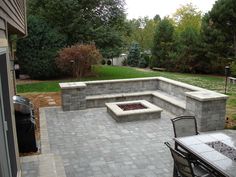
216	150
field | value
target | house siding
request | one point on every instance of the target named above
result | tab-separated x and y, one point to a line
2	24
12	22
13	12
9	113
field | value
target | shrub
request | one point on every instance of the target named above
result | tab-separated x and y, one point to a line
125	62
103	62
142	63
147	59
78	59
233	69
152	62
109	62
37	52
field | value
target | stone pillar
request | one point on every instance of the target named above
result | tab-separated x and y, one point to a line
73	96
208	107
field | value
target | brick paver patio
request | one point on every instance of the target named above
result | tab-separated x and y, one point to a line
91	144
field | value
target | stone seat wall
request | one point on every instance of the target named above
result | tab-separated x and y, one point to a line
179	98
120	86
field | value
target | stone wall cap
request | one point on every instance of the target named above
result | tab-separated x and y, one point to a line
72	85
181	84
150	108
206	95
121	80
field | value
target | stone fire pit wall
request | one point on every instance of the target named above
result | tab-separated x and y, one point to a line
207	106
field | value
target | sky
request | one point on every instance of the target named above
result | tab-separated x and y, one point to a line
141	8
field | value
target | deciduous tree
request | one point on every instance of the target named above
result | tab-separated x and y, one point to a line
187	16
99	21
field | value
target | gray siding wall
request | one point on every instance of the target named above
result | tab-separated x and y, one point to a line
3	36
13	11
2	24
9	113
12	21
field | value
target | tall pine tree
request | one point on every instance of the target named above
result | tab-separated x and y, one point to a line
163	43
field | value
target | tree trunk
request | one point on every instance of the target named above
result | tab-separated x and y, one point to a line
234	44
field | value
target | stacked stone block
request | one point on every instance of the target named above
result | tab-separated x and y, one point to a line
208	107
121	86
73	96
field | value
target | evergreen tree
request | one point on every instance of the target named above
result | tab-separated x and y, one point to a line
187	38
142	62
222	17
218	34
163	43
36	53
187	54
134	55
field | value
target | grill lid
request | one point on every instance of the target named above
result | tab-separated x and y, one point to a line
21	99
22	105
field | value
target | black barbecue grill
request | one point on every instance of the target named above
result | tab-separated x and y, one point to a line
25	124
23	105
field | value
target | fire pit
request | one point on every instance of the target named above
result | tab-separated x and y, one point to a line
133	110
224	149
131	106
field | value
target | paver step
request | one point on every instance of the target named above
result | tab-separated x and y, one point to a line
43	165
59	166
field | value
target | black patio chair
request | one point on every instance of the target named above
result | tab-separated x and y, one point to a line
184	167
184	126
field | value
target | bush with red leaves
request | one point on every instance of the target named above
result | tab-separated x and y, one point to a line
78	59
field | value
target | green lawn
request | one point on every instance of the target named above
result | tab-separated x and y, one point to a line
109	72
215	83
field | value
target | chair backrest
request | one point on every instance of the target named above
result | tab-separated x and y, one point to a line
184	126
181	162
